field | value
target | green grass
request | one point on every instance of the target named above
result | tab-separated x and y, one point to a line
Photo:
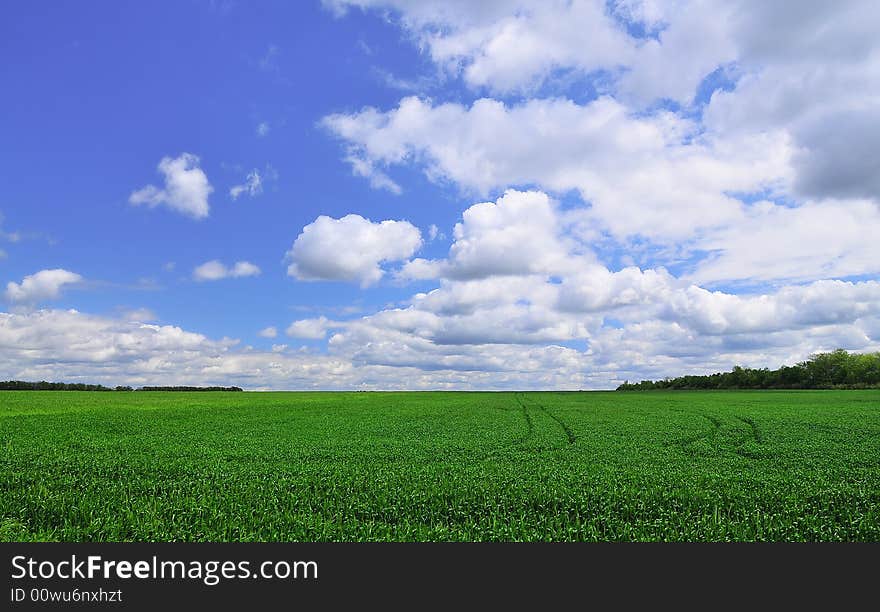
78	466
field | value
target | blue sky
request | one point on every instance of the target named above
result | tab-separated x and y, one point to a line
103	91
567	202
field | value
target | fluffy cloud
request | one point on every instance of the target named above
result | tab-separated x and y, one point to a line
515	45
693	40
186	188
364	168
520	233
597	289
648	175
350	249
68	335
569	283
39	287
217	270
252	186
310	329
495	333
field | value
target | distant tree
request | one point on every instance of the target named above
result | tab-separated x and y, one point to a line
838	369
179	388
20	385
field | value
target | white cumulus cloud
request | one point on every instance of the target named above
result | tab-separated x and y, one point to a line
186	188
520	233
310	329
41	286
351	248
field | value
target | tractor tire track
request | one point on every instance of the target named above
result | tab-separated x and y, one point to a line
706	435
505	447
754	434
530	426
569	434
756	431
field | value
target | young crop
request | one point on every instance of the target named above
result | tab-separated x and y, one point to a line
167	466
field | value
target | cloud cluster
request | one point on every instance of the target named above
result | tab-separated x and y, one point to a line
644	177
76	347
555	317
557	295
660	188
576	329
733	140
560	318
186	188
653	176
643	48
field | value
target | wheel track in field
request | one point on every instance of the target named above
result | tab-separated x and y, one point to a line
754	434
756	431
529	433
685	442
569	434
530	426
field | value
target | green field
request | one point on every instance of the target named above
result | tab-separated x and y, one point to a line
750	465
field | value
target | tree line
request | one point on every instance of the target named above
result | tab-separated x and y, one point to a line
21	385
835	370
190	389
